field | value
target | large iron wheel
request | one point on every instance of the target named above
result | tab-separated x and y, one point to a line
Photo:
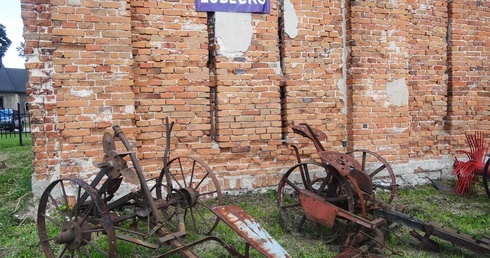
376	166
190	194
323	180
73	221
485	177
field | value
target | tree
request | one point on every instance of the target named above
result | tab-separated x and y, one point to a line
4	42
20	49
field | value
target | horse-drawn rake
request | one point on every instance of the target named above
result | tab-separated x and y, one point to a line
337	197
77	219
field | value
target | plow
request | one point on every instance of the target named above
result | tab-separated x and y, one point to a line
77	219
332	198
337	197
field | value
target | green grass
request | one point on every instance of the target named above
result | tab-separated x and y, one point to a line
18	237
19	232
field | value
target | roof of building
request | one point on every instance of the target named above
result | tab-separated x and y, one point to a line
13	80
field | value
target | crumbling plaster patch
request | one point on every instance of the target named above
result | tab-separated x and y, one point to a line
233	33
290	19
397	92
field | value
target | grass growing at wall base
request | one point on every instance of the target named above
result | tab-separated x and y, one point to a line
19	237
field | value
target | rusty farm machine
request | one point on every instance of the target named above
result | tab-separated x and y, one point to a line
337	197
77	219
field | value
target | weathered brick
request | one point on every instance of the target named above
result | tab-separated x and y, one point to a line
134	63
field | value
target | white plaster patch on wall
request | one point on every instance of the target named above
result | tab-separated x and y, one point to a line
74	2
393	47
192	26
129	109
342	86
397	92
104	115
342	83
277	67
81	93
233	33
118	76
290	19
398	130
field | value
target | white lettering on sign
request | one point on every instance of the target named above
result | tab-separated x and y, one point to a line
248	6
233	1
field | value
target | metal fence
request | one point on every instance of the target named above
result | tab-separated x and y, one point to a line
14	123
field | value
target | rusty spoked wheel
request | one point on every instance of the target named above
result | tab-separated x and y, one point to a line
192	192
73	221
376	166
323	180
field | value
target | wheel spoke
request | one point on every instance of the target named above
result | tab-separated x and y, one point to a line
95	247
200	182
206	193
363	163
58	224
55	203
375	172
87	212
77	205
301	223
199	213
182	172
85	250
65	197
174	179
63	252
305	176
293	185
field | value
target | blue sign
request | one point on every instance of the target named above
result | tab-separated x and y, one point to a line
238	6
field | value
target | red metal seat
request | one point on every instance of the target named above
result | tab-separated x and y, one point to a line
467	171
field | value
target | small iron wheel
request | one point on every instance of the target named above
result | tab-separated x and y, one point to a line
193	190
73	221
323	180
376	166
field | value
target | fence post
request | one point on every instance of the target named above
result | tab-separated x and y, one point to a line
21	127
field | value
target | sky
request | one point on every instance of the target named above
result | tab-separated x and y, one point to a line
10	18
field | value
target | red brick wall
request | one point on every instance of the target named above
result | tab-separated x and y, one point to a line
404	79
469	58
379	56
428	76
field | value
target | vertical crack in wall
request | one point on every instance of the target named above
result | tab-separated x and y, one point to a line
449	64
213	84
346	66
282	82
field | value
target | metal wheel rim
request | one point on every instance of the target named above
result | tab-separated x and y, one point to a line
79	216
393	187
189	188
306	182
